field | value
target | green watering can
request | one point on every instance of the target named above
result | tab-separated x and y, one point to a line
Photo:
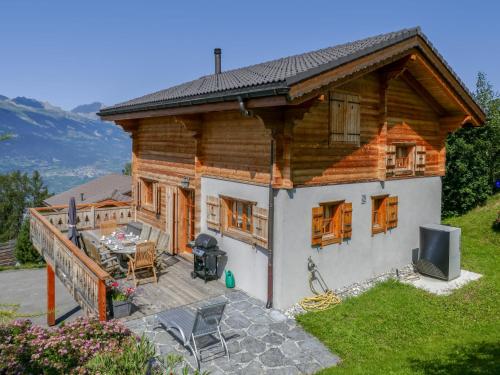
229	279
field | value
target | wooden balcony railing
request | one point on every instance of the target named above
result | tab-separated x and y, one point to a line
83	278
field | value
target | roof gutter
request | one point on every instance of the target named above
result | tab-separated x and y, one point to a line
237	95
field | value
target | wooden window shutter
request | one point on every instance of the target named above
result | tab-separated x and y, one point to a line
390	159
317	226
213	212
260	223
347	220
392	212
337	118
138	197
157	198
345	118
155	195
419	159
353	117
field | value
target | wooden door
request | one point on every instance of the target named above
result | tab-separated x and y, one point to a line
185	229
171	217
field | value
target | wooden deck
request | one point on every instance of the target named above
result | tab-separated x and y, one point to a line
175	288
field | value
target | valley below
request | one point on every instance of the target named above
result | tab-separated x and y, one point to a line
67	147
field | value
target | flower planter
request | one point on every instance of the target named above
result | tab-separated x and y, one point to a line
122	309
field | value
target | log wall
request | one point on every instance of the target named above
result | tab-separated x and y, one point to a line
315	161
229	146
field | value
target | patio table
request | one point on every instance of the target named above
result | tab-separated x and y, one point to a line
116	246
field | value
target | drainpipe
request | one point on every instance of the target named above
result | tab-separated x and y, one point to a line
270	219
270	233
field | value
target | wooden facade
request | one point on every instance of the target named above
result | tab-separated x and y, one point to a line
399	110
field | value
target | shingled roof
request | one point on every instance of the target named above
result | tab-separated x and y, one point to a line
115	187
265	79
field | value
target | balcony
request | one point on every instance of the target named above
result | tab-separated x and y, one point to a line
86	281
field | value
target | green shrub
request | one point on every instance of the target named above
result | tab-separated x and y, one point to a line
24	251
473	157
134	358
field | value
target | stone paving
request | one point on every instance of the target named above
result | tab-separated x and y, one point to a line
260	341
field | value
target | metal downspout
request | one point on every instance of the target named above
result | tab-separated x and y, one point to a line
270	233
270	219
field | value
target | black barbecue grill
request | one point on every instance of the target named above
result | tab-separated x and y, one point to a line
206	256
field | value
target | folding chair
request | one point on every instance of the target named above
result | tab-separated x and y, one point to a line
145	232
143	259
108	227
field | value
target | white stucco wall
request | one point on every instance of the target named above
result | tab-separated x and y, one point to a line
248	263
364	256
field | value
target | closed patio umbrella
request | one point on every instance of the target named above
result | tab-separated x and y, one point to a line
72	232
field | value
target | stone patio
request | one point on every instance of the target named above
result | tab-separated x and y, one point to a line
260	341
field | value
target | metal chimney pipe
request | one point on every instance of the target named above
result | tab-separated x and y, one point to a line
217	54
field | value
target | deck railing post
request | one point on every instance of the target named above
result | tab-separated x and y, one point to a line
92	217
101	300
51	296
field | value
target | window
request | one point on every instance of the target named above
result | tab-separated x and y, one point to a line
148	195
405	159
345	118
331	223
239	219
384	213
239	215
147	192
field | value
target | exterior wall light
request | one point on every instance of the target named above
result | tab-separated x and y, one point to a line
185	183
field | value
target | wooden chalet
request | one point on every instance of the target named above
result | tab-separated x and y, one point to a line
336	154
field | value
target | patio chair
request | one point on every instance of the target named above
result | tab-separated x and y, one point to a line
102	257
134	227
145	231
188	326
144	259
154	234
161	248
107	227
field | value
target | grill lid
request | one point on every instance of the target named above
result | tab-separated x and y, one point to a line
205	241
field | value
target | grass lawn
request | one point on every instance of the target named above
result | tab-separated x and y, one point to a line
25	266
398	329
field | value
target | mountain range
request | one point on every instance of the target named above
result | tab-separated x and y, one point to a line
66	147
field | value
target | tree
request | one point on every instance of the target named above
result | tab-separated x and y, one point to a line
24	251
472	156
127	169
18	191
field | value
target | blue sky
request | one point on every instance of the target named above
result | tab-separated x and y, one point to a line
75	52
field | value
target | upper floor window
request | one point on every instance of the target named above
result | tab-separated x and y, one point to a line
405	159
345	118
